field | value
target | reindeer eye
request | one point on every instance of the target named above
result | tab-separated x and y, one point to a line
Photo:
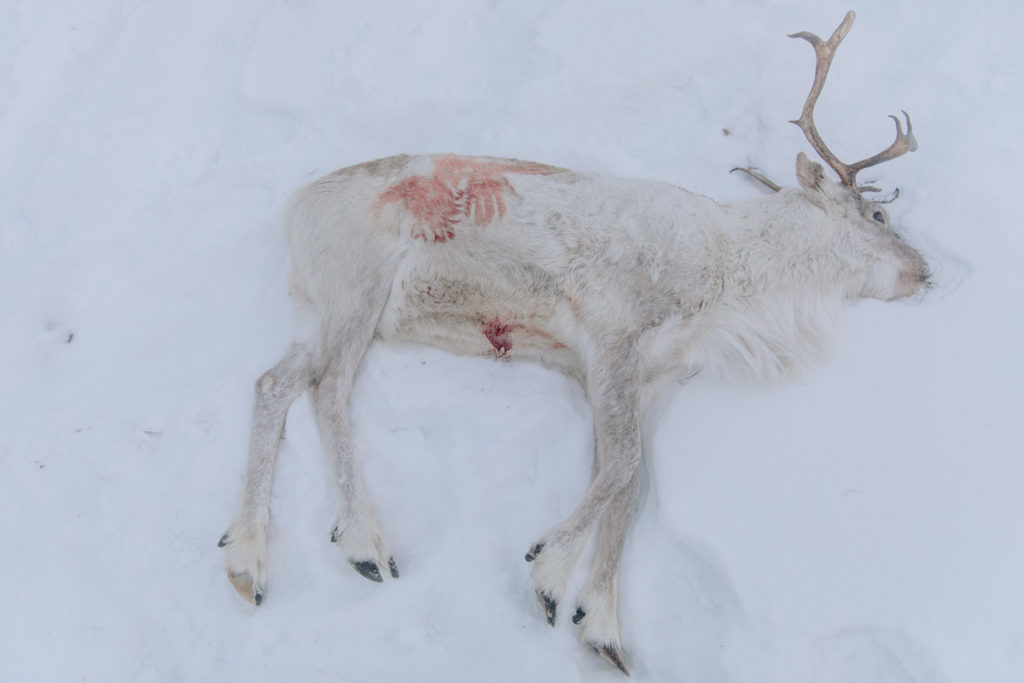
879	216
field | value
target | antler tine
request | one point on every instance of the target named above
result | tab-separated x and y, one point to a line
901	145
824	50
759	177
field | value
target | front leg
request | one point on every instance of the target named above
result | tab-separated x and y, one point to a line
613	389
597	602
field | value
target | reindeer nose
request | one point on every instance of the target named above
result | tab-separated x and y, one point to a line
912	280
924	274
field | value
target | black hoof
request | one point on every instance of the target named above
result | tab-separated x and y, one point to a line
611	653
258	597
393	567
335	535
224	540
368	569
578	617
534	551
549	605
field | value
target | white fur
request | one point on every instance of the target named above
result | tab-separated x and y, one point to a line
616	282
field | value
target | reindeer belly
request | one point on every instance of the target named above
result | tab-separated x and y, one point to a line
473	314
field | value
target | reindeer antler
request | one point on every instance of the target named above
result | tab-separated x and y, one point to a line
824	50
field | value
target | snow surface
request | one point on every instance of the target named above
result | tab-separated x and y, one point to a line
863	524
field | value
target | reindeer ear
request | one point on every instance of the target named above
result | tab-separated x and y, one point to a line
810	174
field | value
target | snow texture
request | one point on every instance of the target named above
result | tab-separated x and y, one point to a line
863	524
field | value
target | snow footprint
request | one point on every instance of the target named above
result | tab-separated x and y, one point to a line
869	655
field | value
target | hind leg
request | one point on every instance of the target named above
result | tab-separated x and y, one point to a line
355	530
346	335
245	541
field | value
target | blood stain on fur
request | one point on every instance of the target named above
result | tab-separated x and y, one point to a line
460	190
498	334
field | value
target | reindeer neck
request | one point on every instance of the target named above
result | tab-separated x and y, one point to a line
776	244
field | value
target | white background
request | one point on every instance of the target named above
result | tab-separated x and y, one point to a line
863	524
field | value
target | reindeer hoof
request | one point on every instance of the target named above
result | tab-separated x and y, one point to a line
245	552
534	551
610	652
246	587
369	569
393	567
550	606
578	617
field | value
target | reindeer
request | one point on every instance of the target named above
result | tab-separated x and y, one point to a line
618	283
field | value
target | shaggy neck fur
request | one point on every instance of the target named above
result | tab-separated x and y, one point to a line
776	314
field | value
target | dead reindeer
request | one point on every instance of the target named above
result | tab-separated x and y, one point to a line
618	283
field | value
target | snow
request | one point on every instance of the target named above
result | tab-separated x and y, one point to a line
860	524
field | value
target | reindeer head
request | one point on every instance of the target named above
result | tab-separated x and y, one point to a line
874	260
881	264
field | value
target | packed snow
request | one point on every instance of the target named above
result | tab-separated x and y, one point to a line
862	524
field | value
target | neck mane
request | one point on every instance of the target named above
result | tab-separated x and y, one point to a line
782	294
